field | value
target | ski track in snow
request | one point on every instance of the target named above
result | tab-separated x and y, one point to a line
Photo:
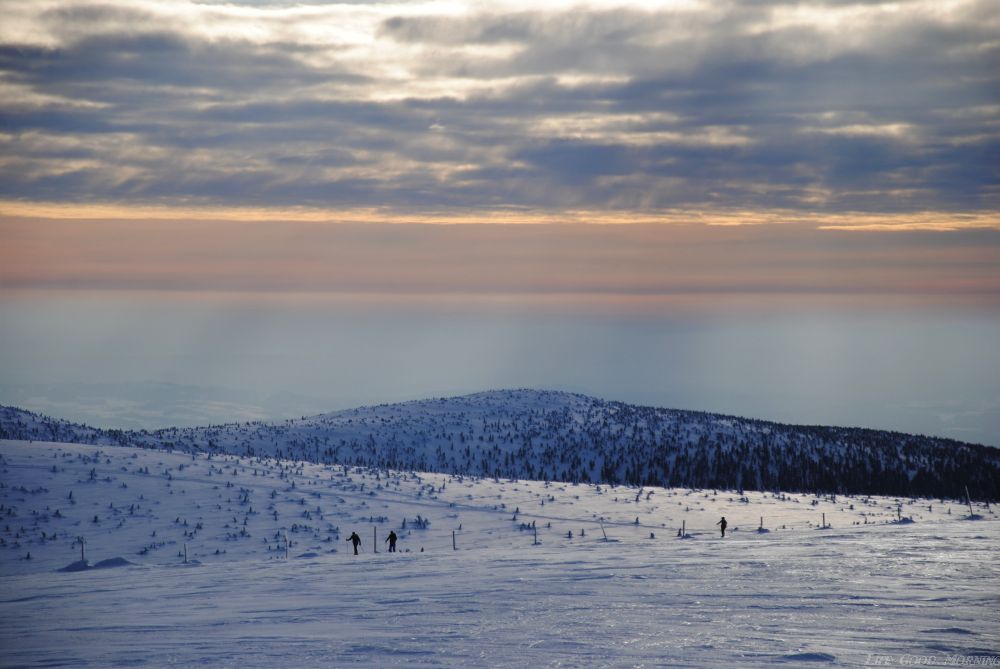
794	597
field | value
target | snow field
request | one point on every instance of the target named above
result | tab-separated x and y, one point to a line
144	505
797	595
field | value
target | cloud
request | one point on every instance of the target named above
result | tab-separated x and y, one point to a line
816	107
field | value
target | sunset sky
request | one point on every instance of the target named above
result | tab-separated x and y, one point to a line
782	209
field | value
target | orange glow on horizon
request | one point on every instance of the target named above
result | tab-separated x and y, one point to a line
850	221
640	263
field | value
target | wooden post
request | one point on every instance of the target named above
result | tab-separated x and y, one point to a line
535	542
824	521
286	545
185	553
83	557
684	531
454	546
602	530
374	539
761	523
899	512
968	498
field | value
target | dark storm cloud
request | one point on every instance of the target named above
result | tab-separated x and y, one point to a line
727	105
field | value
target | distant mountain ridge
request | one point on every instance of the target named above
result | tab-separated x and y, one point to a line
563	436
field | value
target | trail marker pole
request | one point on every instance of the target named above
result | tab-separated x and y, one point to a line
535	542
454	546
684	531
83	557
968	499
375	539
286	545
602	530
824	521
185	553
761	523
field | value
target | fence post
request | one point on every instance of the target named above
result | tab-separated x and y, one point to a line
535	542
684	531
761	523
374	539
824	521
185	553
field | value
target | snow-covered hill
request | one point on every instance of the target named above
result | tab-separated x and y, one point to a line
489	573
567	437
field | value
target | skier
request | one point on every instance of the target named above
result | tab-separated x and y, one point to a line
392	541
356	540
722	525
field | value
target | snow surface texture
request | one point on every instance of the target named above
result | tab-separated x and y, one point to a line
802	594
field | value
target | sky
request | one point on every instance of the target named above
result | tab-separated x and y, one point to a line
789	210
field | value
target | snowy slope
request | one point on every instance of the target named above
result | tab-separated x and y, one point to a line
797	595
145	505
566	437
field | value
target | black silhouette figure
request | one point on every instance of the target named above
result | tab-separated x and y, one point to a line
356	540
722	526
392	541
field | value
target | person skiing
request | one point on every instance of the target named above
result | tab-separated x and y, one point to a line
356	540
392	541
722	526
